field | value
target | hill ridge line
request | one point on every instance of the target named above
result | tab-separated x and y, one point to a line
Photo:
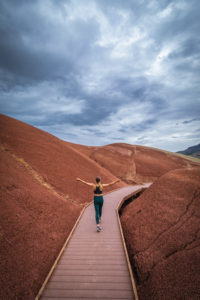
39	178
91	160
133	152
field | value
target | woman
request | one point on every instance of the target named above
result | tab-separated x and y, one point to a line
98	197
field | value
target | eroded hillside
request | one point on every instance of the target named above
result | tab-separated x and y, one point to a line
41	200
34	223
162	230
134	164
54	160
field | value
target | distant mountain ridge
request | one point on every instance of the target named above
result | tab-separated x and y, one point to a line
192	151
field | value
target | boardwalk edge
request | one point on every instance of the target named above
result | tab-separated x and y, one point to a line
62	250
59	255
124	243
70	235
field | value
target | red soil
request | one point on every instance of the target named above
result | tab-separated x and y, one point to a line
40	202
41	199
162	230
53	159
134	164
34	224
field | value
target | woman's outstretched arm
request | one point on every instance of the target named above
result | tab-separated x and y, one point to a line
88	183
109	184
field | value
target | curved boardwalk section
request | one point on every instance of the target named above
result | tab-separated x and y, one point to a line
93	265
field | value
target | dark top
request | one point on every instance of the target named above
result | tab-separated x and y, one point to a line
97	190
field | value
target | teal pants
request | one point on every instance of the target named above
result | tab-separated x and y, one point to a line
98	204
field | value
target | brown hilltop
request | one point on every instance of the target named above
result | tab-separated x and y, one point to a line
134	164
53	159
162	230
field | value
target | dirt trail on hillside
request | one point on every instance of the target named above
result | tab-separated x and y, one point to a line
134	164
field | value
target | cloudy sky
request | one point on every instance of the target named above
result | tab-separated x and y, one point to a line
96	72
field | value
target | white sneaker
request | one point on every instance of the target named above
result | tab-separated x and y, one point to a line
99	228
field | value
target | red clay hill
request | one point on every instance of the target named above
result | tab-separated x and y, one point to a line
162	229
41	200
134	164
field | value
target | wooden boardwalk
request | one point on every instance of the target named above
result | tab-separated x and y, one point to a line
94	264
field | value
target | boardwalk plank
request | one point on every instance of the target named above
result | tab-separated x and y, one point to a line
93	265
90	272
90	278
106	267
99	294
71	285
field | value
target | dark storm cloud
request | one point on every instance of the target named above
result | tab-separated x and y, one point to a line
89	117
179	19
190	121
188	48
108	70
29	44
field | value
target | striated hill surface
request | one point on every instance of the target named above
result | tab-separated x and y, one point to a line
162	230
34	223
134	164
56	162
40	201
